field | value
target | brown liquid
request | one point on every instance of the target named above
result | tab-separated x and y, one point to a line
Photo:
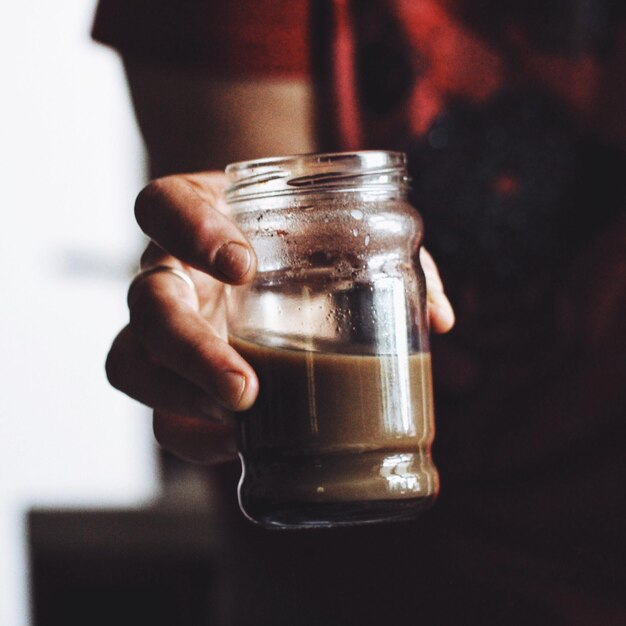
337	428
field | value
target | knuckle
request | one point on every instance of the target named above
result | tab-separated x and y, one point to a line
159	429
164	431
207	236
143	311
208	192
155	321
152	255
113	367
154	193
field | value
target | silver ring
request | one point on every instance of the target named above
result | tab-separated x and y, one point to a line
161	268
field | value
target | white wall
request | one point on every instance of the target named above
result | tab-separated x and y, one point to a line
70	165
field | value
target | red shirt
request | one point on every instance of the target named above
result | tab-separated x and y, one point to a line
513	115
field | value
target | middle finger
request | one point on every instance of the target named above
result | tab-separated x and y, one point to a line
181	339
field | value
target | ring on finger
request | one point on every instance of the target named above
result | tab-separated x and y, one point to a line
148	271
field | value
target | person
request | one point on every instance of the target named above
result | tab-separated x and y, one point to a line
512	115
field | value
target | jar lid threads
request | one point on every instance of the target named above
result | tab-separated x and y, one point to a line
313	173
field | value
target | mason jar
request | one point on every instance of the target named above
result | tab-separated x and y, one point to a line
335	326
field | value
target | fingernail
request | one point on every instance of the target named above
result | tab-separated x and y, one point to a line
233	260
230	386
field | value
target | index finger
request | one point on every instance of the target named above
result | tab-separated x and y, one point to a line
185	214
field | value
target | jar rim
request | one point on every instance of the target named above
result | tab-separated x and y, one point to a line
317	173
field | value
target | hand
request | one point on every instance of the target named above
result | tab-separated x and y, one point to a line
174	355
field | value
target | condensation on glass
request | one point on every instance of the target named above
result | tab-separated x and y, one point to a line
335	326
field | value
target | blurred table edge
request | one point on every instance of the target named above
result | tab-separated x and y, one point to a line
155	529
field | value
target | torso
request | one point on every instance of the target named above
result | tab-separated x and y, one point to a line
192	121
530	397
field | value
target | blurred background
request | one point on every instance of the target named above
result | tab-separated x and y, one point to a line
93	521
71	162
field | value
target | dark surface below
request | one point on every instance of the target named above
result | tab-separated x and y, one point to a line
124	566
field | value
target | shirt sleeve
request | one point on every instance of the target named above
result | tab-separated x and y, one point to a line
242	38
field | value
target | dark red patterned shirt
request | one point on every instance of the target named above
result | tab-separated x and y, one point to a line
513	114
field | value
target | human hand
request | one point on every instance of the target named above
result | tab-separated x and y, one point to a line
174	354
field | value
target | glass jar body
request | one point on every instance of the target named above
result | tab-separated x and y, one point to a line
335	326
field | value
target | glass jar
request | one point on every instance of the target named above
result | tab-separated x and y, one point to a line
335	326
